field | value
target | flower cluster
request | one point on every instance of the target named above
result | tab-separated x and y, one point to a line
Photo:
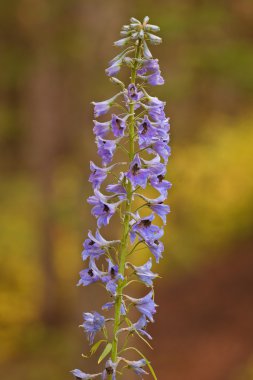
141	131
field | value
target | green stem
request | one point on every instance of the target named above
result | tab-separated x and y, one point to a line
125	236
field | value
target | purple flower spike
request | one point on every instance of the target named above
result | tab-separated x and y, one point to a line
140	131
93	322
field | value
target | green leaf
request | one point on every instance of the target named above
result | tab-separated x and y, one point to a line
95	346
148	363
105	332
106	351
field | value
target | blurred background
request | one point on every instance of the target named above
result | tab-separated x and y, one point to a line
53	56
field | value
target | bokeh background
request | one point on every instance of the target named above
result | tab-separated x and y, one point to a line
53	56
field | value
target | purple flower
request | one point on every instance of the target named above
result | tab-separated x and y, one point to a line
118	125
157	206
113	69
137	366
155	166
98	175
91	249
93	322
161	148
144	228
94	246
112	277
109	306
79	375
122	42
155	79
146	132
132	92
110	370
149	65
159	183
160	209
102	210
145	305
136	174
101	108
163	123
144	272
106	149
156	109
138	326
101	129
90	275
156	246
117	188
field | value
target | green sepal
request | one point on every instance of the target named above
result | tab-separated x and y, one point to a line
96	346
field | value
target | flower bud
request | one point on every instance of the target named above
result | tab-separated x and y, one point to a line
117	81
151	28
154	40
122	42
146	51
125	28
135	36
134	20
145	20
125	33
128	61
141	34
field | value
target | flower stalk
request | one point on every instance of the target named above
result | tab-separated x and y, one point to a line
125	237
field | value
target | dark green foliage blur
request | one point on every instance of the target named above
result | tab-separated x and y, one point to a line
53	57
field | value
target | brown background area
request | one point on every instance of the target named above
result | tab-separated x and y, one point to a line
53	56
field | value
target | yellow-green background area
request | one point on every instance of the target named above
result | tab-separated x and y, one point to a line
53	57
